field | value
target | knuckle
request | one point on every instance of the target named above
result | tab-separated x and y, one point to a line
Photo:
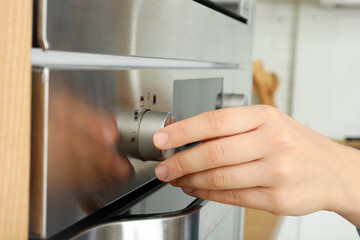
282	139
282	171
216	153
218	179
231	197
179	168
181	132
216	120
270	112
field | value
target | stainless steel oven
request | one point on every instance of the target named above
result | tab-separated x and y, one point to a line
107	75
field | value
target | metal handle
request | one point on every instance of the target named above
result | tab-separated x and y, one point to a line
245	9
194	222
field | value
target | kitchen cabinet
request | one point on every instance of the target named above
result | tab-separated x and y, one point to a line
15	71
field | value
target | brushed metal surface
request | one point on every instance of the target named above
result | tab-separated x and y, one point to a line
191	224
77	170
171	29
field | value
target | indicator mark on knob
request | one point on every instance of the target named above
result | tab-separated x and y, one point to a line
133	135
141	101
136	115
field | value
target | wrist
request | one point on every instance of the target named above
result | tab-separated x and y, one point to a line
346	198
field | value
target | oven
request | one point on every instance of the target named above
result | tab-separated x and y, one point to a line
106	76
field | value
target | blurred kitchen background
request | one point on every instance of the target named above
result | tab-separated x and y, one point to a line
313	46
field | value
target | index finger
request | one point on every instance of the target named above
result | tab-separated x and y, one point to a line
218	123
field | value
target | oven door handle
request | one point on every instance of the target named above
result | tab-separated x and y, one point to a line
194	222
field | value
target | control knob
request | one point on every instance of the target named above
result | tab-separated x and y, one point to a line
136	131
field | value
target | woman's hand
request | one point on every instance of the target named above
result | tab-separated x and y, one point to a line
258	157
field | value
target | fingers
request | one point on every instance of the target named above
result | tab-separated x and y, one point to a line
244	175
251	197
222	152
219	123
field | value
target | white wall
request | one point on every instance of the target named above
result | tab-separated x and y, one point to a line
275	28
315	226
318	50
327	73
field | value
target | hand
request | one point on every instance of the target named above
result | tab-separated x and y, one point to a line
258	157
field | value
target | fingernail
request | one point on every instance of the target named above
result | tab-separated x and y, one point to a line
161	138
161	172
188	190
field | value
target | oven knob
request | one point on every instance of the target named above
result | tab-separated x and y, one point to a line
231	100
151	122
136	130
